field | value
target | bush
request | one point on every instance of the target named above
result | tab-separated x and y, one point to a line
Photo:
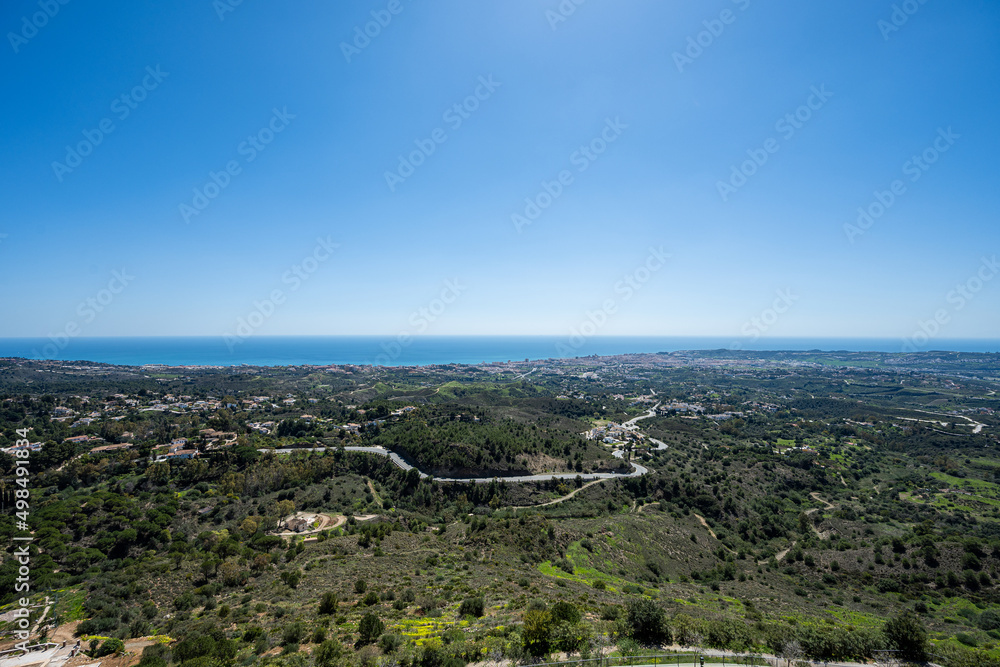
369	629
390	642
565	565
472	607
645	622
111	646
967	639
370	599
329	653
907	633
989	620
564	611
328	603
293	634
535	633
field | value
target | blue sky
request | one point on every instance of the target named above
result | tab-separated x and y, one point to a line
670	127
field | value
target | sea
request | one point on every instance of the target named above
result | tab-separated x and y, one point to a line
420	350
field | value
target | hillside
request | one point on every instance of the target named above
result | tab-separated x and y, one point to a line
798	500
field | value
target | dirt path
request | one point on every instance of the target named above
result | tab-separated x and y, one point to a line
559	500
325	521
829	506
705	523
371	487
778	556
815	496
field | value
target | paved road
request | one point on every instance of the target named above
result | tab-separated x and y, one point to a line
630	424
637	470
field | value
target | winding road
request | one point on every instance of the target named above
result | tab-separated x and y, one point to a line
637	470
397	460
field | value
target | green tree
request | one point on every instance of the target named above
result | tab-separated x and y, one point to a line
535	634
645	621
328	603
906	632
111	646
329	653
369	629
472	607
564	611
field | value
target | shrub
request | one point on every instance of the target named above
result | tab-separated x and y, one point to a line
329	653
989	620
645	621
564	611
369	629
111	646
967	639
535	632
328	603
293	634
907	633
472	607
390	642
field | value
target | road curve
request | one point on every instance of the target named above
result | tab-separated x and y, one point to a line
637	470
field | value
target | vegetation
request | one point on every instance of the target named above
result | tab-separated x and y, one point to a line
805	505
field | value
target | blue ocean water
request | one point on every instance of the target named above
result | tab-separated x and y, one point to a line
416	351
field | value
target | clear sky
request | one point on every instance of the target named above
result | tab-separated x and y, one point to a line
643	108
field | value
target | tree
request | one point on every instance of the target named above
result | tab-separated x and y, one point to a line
564	611
791	652
329	653
536	631
328	603
471	607
369	629
230	573
645	621
906	632
111	646
291	578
